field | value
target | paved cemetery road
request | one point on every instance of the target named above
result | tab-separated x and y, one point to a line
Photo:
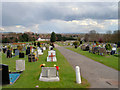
97	74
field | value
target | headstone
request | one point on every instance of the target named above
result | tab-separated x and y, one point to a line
87	48
80	42
102	51
32	50
83	47
4	71
51	56
90	49
21	55
31	58
16	52
24	48
27	51
20	65
114	50
36	54
49	74
75	46
9	53
39	51
4	50
95	50
44	48
50	47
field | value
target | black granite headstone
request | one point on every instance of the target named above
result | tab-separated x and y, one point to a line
5	74
27	51
80	42
75	46
34	43
9	54
118	44
31	58
14	50
28	48
21	55
87	48
38	44
4	50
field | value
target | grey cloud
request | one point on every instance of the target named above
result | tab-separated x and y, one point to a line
34	13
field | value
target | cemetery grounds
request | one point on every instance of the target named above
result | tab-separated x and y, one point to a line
30	77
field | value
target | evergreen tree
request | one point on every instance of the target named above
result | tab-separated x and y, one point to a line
53	37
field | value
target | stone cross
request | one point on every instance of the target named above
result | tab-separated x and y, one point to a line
52	56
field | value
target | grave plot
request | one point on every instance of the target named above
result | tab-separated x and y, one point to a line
49	74
8	77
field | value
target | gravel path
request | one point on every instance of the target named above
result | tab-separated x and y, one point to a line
97	74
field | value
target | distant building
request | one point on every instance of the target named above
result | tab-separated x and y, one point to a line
42	39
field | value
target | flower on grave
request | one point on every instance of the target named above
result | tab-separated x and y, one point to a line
57	68
36	86
42	65
54	65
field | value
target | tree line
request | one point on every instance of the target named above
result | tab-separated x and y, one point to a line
88	37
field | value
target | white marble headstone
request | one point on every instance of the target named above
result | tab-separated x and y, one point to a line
44	48
40	51
51	51
51	56
20	65
50	47
36	54
32	50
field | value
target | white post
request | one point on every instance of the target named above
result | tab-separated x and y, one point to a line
78	77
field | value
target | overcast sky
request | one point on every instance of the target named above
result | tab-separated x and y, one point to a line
60	17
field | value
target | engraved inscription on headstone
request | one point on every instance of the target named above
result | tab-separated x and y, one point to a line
48	72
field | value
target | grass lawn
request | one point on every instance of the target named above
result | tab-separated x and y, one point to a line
111	61
60	44
30	77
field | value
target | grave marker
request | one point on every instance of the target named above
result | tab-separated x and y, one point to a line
49	74
51	56
5	74
20	65
16	52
